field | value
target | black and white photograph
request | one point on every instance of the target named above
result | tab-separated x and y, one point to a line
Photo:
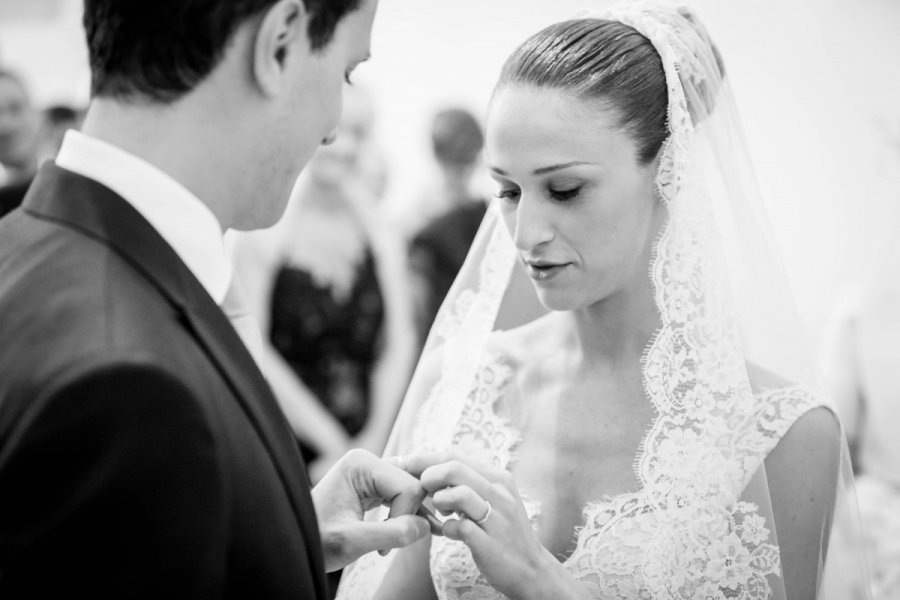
478	300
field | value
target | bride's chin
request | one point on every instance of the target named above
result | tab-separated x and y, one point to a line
557	301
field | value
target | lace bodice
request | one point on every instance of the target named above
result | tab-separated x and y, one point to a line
700	541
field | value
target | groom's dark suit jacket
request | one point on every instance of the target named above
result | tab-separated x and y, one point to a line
141	451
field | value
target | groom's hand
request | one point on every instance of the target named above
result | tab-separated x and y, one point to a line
358	482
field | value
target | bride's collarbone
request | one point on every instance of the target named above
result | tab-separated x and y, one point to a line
575	457
581	431
580	440
583	408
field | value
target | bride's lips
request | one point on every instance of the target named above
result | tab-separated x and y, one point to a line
541	270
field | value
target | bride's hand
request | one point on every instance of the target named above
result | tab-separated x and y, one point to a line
493	523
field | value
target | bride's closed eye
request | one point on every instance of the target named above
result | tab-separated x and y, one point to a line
508	194
564	195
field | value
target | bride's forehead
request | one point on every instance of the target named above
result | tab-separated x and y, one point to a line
539	108
546	120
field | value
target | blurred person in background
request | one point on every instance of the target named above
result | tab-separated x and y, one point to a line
56	120
437	251
328	286
19	140
862	365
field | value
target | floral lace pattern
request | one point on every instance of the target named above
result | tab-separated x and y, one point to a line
483	435
685	543
465	326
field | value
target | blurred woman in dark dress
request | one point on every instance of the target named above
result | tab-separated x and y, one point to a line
329	291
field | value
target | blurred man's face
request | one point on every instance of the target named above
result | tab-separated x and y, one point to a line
18	125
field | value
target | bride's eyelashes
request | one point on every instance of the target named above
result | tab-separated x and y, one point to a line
557	194
508	194
564	195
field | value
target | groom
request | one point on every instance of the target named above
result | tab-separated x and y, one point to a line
141	451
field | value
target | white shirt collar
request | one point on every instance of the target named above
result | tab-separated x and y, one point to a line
185	222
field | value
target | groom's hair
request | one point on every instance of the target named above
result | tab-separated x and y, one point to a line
160	49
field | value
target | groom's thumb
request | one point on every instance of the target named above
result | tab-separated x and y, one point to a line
394	532
345	543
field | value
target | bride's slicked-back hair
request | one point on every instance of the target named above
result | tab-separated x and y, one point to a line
604	61
160	49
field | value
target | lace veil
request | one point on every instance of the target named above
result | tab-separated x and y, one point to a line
722	301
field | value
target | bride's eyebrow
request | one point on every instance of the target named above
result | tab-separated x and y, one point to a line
551	168
543	170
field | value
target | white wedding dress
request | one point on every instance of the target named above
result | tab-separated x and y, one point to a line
613	553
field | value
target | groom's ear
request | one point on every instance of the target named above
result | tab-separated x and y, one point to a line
280	37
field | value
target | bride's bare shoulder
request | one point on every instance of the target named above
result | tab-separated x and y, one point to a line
808	421
770	387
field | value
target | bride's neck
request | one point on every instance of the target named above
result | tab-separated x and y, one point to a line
617	329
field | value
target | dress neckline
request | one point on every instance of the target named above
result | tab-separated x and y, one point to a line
592	507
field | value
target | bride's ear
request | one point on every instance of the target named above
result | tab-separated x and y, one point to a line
280	37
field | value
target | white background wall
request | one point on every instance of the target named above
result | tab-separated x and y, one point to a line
817	83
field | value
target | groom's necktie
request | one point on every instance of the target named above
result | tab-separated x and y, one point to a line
238	312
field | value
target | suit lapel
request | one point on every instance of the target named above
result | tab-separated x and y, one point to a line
98	212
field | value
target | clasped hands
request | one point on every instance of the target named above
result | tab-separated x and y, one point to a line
484	507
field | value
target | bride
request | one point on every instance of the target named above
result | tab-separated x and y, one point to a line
624	435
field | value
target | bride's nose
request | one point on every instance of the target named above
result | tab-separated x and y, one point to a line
533	225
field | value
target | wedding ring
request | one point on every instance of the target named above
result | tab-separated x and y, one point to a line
487	514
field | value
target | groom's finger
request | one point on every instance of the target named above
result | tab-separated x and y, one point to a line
403	492
435	524
398	532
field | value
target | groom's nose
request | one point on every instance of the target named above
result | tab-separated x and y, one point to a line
328	139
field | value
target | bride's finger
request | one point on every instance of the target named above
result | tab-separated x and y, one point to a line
416	464
463	500
455	473
468	532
